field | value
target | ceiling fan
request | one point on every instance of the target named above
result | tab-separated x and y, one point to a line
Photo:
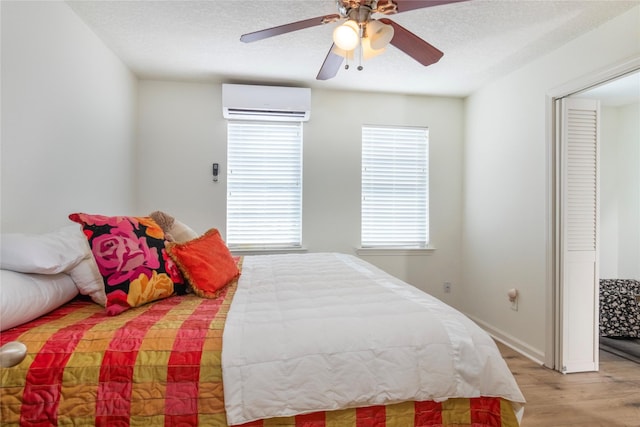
363	33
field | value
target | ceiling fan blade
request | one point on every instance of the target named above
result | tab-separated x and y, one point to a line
330	66
405	5
413	45
287	28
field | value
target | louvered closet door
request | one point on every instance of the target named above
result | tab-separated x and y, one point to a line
578	203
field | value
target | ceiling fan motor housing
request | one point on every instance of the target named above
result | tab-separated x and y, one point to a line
360	11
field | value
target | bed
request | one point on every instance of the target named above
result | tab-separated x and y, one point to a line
312	340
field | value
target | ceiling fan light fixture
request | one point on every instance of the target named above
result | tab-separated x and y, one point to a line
379	34
368	51
347	35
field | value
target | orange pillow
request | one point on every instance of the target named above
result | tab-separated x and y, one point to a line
205	262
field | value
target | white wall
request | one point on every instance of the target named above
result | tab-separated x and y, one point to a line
505	183
609	224
68	120
620	193
629	249
180	134
181	129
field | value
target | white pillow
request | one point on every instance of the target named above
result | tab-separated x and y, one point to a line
24	297
88	279
49	253
175	231
181	232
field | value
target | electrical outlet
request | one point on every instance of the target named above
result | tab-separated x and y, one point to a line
446	287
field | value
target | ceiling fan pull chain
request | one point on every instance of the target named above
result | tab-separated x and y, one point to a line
360	67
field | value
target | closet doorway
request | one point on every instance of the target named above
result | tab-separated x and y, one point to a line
572	328
619	216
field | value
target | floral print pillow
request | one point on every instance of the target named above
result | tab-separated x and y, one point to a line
132	259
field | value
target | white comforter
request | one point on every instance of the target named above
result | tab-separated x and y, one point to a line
319	332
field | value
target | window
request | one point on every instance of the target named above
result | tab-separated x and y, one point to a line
264	198
395	187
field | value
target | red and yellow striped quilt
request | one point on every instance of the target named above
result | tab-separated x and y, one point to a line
476	412
159	364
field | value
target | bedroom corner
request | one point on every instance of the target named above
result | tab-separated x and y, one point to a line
68	119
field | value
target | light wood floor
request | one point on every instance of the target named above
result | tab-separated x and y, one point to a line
609	398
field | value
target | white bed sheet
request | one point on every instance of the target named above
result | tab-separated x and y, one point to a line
326	331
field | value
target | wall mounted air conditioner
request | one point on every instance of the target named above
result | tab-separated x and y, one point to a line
250	102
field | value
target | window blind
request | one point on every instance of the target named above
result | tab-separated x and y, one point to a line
264	187
395	187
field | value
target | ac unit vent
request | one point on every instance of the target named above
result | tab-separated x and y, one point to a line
233	113
250	102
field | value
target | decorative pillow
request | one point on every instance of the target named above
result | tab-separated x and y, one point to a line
175	230
24	297
206	263
132	260
48	253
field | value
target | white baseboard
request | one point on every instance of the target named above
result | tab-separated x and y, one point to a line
525	349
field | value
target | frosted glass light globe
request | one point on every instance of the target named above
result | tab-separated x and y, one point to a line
346	36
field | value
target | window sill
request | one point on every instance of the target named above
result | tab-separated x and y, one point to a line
266	251
395	251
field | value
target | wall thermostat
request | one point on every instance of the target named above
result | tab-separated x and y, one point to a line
215	172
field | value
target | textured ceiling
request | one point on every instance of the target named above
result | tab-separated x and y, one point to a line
199	41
